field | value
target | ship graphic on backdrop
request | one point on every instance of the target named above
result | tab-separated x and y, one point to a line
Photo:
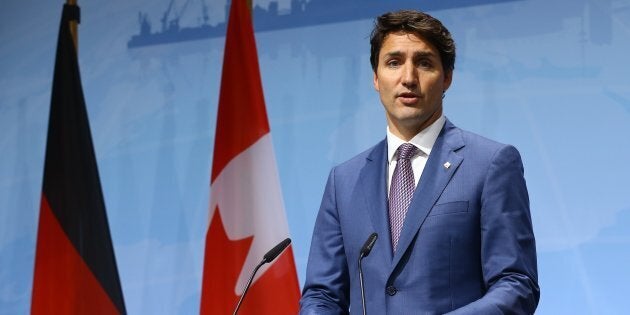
300	14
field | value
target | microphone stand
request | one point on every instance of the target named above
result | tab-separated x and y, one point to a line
365	251
249	282
361	282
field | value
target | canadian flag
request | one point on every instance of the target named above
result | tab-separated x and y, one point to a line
246	209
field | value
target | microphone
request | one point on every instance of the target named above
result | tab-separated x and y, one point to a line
365	251
269	257
274	252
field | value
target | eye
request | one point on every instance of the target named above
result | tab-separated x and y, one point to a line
393	63
425	63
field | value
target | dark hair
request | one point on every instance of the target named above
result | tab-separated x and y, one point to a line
413	22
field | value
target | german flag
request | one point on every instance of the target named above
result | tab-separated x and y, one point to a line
75	267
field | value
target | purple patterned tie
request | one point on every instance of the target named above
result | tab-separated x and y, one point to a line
401	190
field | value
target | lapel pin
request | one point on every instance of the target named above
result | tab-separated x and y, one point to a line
447	165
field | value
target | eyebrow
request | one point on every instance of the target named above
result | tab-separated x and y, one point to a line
418	54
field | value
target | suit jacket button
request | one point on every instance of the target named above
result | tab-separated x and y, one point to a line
391	290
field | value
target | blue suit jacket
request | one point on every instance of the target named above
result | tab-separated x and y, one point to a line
466	247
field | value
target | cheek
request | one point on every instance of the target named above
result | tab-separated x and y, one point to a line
387	85
433	86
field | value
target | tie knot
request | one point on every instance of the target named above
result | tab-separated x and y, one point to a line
406	151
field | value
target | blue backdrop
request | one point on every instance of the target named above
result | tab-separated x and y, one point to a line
550	77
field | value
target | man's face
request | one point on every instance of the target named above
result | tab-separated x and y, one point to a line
410	80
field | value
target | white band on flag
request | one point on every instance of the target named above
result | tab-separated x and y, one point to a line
247	192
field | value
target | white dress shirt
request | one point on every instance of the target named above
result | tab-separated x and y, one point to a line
424	141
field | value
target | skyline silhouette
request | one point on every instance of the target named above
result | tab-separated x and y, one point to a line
302	13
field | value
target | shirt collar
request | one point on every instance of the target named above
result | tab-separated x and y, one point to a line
424	140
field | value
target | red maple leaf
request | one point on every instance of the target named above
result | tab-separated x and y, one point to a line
275	292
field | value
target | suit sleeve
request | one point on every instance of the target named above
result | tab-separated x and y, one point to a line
326	288
508	249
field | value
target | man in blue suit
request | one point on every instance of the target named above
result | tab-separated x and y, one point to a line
451	208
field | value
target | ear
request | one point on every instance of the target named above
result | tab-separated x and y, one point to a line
376	82
448	79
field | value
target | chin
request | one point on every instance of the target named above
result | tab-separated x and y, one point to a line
412	115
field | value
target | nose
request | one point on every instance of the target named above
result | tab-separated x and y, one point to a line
409	76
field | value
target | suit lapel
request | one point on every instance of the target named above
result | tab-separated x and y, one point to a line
373	179
435	177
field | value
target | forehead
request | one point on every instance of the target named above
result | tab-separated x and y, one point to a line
403	43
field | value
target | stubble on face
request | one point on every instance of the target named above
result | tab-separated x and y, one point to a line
410	80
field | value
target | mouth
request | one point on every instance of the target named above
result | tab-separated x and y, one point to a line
408	97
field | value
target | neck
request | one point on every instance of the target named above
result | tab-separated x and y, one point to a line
406	132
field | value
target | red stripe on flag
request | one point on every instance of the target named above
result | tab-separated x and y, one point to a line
64	283
242	118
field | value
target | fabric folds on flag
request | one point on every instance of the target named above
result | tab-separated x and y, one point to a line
75	268
247	215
